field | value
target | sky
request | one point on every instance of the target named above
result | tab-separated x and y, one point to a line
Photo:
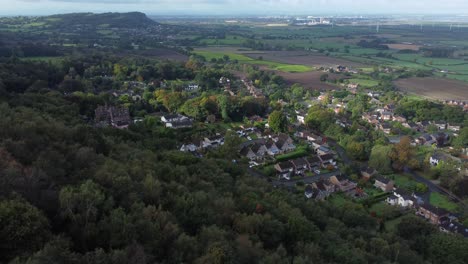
235	7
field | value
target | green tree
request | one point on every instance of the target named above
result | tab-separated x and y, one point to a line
81	205
403	154
379	159
277	121
23	228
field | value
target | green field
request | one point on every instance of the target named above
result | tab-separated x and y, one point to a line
45	59
364	82
439	200
247	60
403	181
229	40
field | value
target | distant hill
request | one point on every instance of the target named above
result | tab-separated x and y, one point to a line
110	20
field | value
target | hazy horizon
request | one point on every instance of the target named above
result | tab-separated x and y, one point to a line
232	7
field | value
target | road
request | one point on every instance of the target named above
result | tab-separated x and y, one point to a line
292	183
340	150
306	180
432	186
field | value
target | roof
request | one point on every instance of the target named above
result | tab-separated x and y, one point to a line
270	143
369	170
455	227
299	162
244	151
313	160
285	165
280	143
182	123
171	116
382	179
321	185
386	126
435	210
256	147
326	157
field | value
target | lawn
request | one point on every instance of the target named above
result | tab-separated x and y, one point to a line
339	200
364	82
244	59
403	181
439	200
44	59
299	152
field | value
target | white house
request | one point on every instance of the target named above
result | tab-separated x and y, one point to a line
401	198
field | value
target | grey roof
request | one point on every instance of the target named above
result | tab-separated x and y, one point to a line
382	179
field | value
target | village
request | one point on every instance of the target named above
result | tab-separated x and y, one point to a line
305	160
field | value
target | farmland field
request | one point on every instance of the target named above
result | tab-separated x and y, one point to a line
433	88
164	54
309	80
243	58
304	58
403	47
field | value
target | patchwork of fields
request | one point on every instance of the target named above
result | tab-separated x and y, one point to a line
433	88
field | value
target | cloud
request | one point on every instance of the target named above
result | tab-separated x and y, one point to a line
236	6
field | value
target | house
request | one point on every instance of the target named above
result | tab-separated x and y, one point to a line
390	108
248	153
412	126
386	116
454	128
176	121
322	150
300	166
342	183
325	187
373	94
255	151
423	125
431	213
314	138
186	123
214	141
272	149
284	143
118	117
383	183
451	226
309	191
441	138
189	147
425	139
284	170
401	198
259	149
375	101
399	119
192	87
368	172
327	160
436	158
385	127
314	162
301	116
441	125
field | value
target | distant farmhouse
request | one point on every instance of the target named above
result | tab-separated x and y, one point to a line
115	116
176	121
